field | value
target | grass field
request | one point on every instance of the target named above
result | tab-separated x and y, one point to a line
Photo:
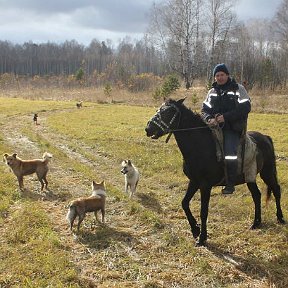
146	241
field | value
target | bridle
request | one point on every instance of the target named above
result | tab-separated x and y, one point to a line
166	127
158	121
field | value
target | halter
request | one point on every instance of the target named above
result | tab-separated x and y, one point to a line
165	127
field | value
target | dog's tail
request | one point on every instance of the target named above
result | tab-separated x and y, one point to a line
47	157
71	215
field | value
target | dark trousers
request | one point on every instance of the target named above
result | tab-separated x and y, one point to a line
231	143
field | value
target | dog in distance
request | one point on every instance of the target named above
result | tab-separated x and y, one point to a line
79	104
22	168
132	176
93	203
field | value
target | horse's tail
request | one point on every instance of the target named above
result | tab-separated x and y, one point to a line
272	165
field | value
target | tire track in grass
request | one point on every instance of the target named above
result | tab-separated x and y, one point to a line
125	251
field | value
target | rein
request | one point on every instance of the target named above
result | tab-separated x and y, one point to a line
170	131
165	127
187	129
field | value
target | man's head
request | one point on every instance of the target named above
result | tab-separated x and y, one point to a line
221	74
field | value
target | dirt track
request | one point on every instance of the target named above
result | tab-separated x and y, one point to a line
100	252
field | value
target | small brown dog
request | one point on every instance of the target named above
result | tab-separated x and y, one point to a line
26	167
94	203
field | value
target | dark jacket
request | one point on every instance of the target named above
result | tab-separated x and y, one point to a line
232	101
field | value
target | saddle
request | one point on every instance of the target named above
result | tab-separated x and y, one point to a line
246	154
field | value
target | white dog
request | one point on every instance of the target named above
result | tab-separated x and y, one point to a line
131	176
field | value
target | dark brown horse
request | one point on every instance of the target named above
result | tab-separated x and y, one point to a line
200	165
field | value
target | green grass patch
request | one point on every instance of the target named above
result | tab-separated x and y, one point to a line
19	106
8	184
147	238
32	254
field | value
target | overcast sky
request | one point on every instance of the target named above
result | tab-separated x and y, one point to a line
41	21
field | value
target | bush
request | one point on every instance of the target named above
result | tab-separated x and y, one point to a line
170	85
142	82
79	74
108	89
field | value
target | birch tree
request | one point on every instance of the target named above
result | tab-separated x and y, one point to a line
219	19
174	28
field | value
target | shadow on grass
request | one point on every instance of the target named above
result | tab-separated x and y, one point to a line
103	237
149	201
45	195
274	270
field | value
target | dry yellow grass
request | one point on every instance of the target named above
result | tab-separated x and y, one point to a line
146	242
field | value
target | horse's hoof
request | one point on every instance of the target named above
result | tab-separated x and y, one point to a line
196	232
281	221
255	225
200	243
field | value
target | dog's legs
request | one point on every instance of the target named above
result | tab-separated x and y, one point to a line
20	181
132	190
42	179
80	219
96	216
42	184
72	222
103	215
126	186
46	182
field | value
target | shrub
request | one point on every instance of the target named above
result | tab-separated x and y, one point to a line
170	85
108	89
79	74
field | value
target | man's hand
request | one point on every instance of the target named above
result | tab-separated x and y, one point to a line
212	122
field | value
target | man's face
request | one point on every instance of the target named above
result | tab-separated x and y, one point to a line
221	77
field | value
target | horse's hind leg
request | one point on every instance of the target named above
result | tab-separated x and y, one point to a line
191	190
256	195
272	183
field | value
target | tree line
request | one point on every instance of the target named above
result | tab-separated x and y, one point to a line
186	37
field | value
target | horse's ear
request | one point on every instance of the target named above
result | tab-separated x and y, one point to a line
180	101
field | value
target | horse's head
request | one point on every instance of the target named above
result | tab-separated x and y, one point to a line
166	119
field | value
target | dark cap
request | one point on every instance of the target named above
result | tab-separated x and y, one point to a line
220	67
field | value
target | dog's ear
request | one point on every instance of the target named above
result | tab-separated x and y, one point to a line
102	183
5	157
129	162
14	155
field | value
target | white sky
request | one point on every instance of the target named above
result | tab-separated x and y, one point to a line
84	20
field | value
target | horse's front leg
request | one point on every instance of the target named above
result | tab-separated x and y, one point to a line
191	190
205	198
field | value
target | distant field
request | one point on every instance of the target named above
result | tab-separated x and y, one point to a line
146	241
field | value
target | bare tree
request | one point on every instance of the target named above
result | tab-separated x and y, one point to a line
219	22
174	27
281	23
280	27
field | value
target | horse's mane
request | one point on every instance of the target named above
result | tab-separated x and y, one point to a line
188	116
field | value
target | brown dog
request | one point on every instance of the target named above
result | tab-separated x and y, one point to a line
94	203
26	167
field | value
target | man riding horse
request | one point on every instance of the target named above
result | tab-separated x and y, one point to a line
227	104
